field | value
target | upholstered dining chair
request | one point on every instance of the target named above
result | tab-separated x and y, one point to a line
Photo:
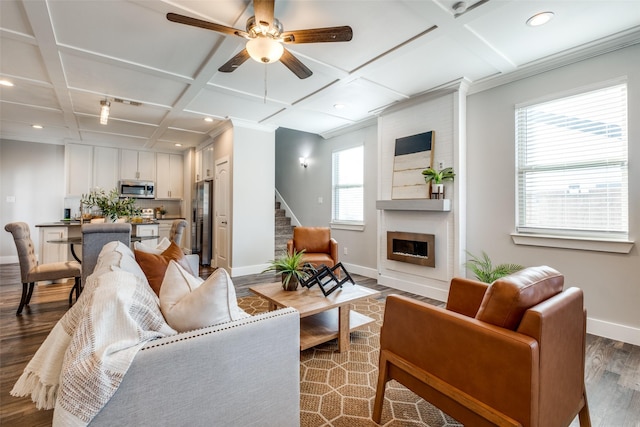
318	245
32	272
507	354
177	230
95	236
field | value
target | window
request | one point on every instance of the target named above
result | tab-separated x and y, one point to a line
572	165
347	188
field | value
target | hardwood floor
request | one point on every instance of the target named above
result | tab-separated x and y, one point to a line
612	373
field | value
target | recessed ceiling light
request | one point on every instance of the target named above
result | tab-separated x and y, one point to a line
177	144
540	19
208	119
36	126
4	82
338	106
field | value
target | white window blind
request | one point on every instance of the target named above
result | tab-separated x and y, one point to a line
347	189
572	165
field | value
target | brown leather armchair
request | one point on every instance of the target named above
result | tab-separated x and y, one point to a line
509	354
319	247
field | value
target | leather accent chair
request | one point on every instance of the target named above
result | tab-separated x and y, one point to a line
95	236
32	272
177	230
318	245
507	354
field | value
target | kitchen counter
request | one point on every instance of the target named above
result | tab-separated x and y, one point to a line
75	222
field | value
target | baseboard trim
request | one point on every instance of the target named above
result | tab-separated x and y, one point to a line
247	270
415	288
371	273
614	331
11	259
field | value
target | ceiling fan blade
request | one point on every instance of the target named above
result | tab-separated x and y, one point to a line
234	62
294	64
181	19
318	35
263	10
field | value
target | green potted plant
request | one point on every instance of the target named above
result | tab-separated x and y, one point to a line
485	271
436	178
292	268
110	205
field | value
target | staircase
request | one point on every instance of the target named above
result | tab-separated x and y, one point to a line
283	232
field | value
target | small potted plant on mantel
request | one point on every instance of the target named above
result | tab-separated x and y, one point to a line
436	178
292	268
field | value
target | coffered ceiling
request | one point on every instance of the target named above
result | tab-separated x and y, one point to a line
162	79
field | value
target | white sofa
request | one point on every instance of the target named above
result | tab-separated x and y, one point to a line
244	372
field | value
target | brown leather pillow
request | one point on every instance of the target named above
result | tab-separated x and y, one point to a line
155	266
508	298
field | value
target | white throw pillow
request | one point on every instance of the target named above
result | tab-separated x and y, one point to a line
163	245
188	302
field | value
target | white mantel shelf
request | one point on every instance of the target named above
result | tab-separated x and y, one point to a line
437	205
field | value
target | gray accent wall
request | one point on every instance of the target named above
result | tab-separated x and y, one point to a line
303	188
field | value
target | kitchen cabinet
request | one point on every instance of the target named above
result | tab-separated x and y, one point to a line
52	252
164	228
88	167
198	165
105	168
137	165
170	179
147	230
206	170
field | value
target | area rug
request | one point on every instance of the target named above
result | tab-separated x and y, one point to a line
338	389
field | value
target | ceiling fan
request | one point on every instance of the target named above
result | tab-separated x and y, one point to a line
266	36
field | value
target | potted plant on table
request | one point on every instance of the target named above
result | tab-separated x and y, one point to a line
436	178
111	206
291	267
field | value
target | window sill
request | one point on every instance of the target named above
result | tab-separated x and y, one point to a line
347	226
579	243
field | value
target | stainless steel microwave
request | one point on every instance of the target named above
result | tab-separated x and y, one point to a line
137	189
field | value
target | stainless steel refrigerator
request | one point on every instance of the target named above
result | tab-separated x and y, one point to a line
202	235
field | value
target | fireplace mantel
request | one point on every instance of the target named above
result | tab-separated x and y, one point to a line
437	205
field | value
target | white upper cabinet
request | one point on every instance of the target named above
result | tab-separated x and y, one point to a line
199	165
79	169
105	168
137	165
170	179
88	167
207	163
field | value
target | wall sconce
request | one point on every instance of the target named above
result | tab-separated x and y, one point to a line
304	162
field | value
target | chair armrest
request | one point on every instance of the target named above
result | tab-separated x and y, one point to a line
496	366
290	246
333	247
465	296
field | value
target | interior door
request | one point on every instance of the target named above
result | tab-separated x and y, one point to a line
221	205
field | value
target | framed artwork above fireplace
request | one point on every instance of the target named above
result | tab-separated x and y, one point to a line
412	155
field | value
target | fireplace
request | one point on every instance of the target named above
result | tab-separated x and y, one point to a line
414	248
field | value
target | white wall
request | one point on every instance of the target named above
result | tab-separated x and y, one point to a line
611	282
33	173
253	200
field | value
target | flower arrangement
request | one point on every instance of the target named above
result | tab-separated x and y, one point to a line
110	204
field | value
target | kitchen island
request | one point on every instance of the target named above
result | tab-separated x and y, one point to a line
63	230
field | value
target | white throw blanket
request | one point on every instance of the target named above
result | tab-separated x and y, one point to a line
83	360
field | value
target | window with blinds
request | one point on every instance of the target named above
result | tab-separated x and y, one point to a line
347	188
572	165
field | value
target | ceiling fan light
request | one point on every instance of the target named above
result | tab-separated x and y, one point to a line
104	111
264	49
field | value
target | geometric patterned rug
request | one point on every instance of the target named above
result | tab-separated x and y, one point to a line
338	389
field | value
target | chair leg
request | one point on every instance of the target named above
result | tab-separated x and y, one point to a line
31	286
382	382
23	299
583	415
76	288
